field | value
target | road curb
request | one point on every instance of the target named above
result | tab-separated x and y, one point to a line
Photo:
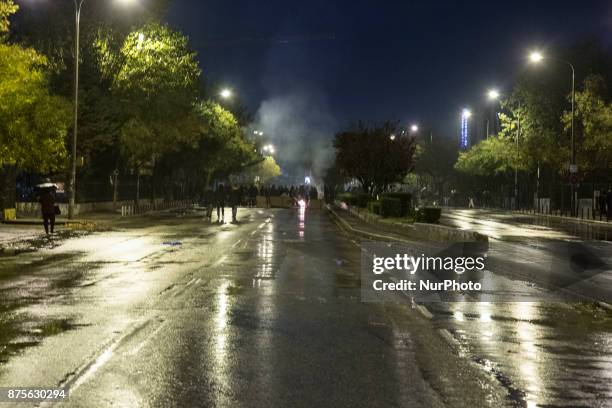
361	233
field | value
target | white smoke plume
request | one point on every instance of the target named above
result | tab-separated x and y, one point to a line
301	127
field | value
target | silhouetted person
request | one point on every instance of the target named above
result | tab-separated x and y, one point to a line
603	211
234	200
47	207
253	196
220	202
268	193
609	204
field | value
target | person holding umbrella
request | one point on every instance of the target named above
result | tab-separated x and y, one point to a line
46	198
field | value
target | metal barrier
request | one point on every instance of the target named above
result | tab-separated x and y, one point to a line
130	210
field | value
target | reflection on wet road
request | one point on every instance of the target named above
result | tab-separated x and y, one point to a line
268	313
545	354
513	226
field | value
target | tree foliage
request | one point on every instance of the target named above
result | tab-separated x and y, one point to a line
375	155
593	127
493	156
436	159
33	123
222	146
7	8
154	76
264	171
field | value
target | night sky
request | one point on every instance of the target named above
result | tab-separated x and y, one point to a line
341	61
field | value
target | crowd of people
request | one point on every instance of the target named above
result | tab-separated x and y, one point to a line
246	196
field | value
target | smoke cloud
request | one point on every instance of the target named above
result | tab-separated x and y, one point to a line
301	127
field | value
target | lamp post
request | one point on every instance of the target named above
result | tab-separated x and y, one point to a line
518	136
537	57
493	95
78	5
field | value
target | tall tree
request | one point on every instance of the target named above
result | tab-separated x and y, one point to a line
222	147
593	128
154	76
375	155
33	123
436	159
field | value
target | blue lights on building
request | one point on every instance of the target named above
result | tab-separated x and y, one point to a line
464	142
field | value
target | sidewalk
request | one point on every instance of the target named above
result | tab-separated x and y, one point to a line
15	232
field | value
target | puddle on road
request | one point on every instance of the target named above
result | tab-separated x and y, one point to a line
38	243
543	354
19	332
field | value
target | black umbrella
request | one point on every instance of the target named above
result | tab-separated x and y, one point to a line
46	185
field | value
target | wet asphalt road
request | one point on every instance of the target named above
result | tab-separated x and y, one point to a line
546	353
177	312
180	313
514	226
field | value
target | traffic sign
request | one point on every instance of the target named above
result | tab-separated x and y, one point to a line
574	179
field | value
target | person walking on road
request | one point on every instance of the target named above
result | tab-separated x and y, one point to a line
268	193
48	209
609	204
234	200
601	201
220	199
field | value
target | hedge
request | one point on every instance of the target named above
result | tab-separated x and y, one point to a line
405	199
428	215
390	207
374	207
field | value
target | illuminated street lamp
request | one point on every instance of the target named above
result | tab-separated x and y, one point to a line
269	149
226	93
536	58
414	128
392	137
493	94
78	5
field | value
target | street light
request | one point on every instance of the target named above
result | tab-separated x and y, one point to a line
414	128
269	148
493	94
226	93
78	5
392	137
466	113
537	57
